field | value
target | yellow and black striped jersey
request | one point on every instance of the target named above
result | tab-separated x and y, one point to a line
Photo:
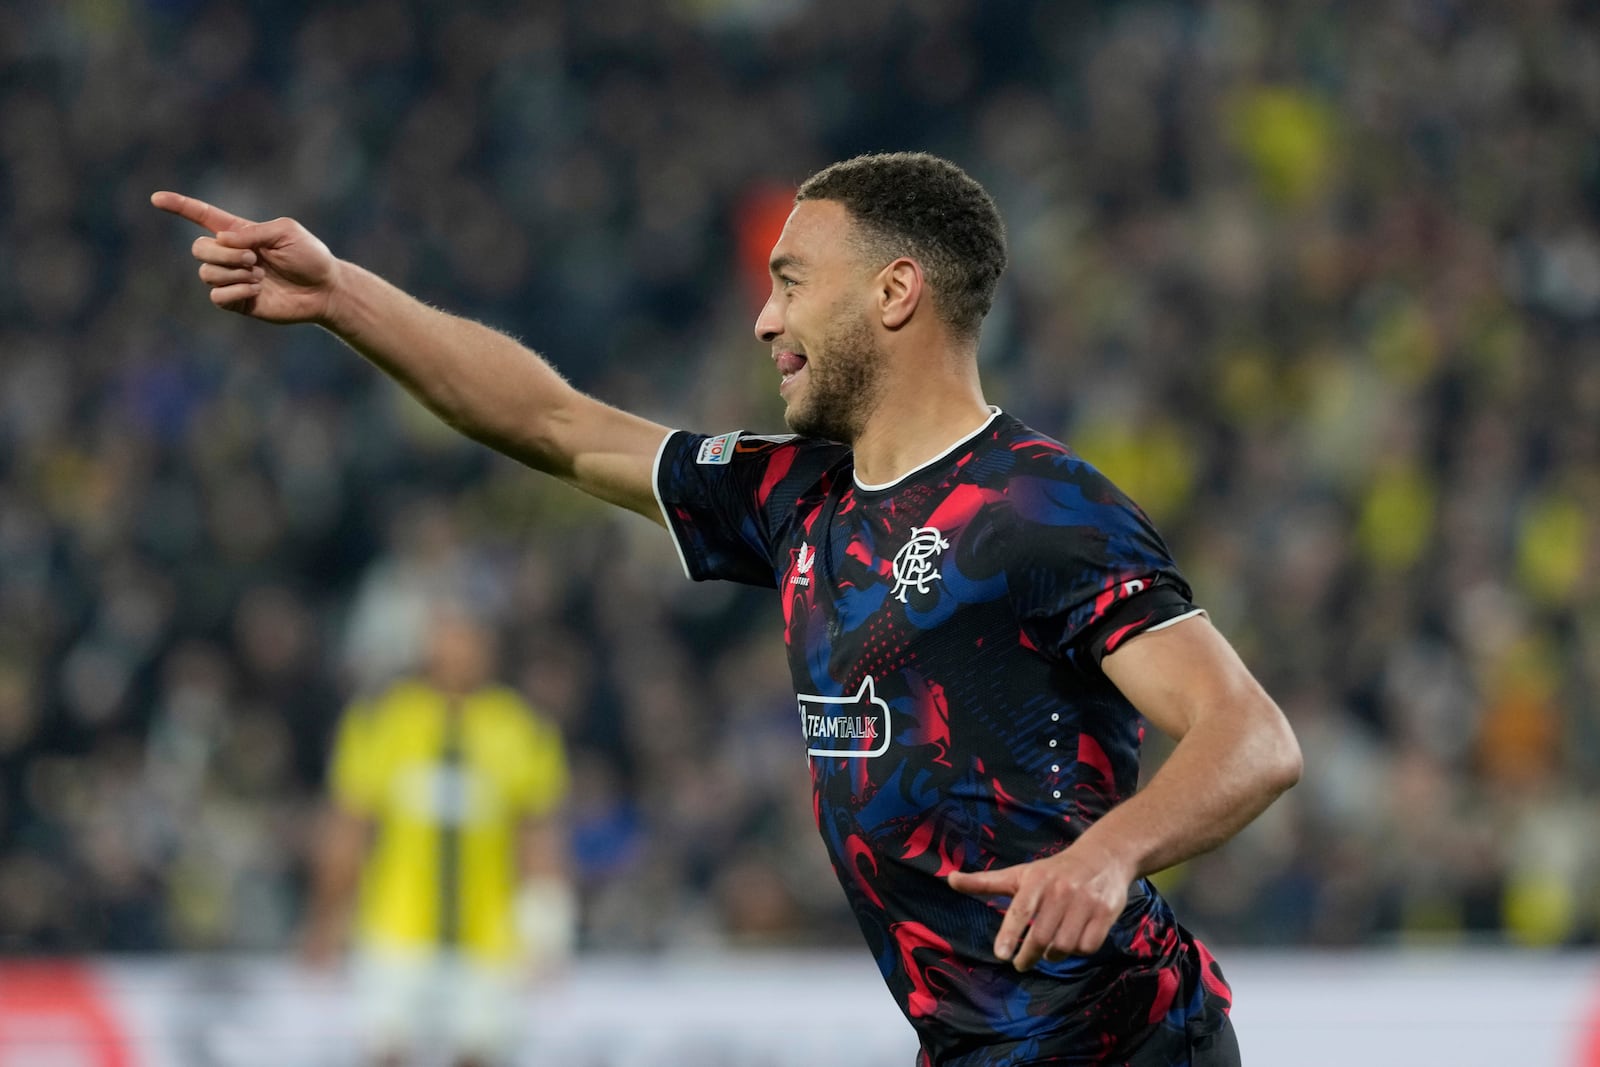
447	782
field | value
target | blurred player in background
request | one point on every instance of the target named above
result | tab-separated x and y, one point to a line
444	817
976	619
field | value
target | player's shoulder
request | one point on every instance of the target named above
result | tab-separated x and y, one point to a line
1045	453
386	712
1030	447
1010	451
399	697
1047	481
505	714
760	462
503	702
738	445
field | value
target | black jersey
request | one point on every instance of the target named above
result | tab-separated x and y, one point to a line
944	635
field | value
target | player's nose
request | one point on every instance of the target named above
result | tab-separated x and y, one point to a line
769	324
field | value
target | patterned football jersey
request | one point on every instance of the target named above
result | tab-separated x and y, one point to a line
944	637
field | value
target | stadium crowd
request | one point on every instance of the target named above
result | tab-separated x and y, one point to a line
1317	283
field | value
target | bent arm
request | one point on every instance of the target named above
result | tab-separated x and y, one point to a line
1235	753
498	392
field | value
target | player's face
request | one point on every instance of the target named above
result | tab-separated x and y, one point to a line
819	323
460	651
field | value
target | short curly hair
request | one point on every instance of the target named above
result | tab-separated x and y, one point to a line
918	205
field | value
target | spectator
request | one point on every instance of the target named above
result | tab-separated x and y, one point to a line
445	794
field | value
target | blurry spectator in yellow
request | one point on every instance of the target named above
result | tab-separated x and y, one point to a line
443	824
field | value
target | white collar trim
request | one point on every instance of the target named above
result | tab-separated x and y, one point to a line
994	413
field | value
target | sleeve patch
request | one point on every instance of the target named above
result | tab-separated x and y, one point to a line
717	450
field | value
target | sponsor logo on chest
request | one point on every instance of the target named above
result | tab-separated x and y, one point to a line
851	727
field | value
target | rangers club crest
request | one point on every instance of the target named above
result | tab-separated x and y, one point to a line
913	564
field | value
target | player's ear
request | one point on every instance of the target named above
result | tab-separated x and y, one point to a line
900	290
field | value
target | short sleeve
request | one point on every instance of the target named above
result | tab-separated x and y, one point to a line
543	787
1086	569
355	775
727	498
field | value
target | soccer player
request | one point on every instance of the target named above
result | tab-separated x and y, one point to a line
445	789
976	619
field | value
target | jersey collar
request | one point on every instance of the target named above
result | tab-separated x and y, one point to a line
994	413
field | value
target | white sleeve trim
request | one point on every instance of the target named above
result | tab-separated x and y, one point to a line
655	488
1173	621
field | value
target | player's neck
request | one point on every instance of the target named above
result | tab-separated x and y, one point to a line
913	426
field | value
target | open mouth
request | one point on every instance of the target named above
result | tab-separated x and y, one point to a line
789	365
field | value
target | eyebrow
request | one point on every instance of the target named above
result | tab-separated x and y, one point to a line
783	263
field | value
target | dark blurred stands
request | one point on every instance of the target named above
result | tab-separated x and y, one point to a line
1318	283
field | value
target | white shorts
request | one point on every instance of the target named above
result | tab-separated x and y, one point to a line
417	1000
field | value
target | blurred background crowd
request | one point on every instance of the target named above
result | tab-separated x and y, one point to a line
1317	282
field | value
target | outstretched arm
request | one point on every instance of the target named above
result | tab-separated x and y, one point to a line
477	379
1235	754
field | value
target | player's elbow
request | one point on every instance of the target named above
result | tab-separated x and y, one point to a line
1282	763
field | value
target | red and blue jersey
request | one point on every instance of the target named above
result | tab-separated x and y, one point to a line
944	637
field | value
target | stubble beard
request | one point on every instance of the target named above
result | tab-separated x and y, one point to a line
842	388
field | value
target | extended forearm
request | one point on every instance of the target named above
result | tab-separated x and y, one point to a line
475	378
1224	772
478	380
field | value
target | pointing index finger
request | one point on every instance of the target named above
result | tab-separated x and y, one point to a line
198	212
983	883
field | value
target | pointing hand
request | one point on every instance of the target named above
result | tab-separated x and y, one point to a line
1063	905
276	271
